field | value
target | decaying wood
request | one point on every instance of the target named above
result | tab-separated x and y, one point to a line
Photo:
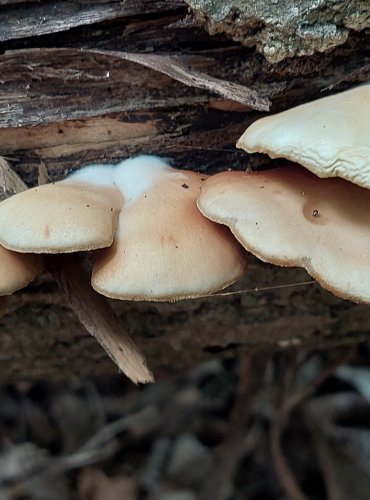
284	29
80	107
69	145
37	19
173	67
42	336
97	316
10	182
176	69
94	118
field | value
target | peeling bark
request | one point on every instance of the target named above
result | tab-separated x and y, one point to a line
284	29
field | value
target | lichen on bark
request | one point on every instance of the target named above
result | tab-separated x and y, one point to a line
281	29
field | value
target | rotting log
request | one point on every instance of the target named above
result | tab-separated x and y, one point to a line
61	109
281	30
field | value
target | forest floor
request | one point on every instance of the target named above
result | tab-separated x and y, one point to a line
233	429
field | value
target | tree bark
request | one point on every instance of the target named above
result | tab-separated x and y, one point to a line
66	101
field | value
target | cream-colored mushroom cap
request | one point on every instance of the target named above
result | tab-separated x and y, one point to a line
79	213
164	248
290	217
17	270
329	136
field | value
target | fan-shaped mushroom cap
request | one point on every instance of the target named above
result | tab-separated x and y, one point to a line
17	270
79	213
329	136
290	217
164	248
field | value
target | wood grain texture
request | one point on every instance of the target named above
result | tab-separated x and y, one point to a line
41	18
41	336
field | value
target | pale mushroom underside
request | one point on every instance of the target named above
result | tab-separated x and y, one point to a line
17	270
329	136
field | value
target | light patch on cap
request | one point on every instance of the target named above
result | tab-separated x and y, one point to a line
135	176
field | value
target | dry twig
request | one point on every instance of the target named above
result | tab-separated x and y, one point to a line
279	421
174	67
230	452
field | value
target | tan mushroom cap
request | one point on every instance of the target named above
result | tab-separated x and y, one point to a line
164	249
17	270
329	136
68	216
290	217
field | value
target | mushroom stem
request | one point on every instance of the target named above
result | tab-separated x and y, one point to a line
97	316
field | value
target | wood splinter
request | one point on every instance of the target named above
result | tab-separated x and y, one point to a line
97	316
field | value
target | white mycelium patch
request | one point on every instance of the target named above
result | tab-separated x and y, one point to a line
135	176
99	175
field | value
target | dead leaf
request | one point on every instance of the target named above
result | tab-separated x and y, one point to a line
93	484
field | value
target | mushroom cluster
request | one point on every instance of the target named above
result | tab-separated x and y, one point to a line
291	217
146	237
158	233
142	213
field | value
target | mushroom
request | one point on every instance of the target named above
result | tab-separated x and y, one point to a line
329	136
164	249
17	270
79	213
290	217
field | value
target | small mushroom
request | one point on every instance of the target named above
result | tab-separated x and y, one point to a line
79	213
164	249
329	136
290	217
17	270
